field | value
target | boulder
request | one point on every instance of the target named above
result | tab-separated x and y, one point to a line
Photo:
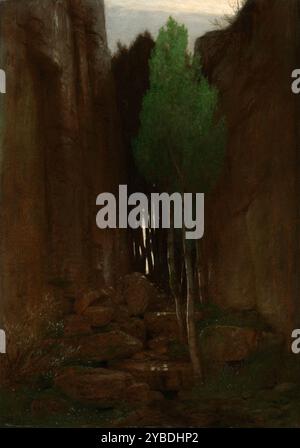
102	347
138	293
89	298
134	326
47	405
76	325
161	302
228	343
160	375
173	348
162	324
160	345
99	316
122	314
149	355
140	393
96	387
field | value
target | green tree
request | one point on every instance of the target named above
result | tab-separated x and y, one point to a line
180	146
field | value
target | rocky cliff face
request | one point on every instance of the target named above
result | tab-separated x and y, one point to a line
252	234
60	148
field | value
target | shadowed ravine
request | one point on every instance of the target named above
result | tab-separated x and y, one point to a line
92	331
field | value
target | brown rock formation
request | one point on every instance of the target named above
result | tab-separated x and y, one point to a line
160	375
252	233
103	387
100	387
138	293
100	347
228	343
60	148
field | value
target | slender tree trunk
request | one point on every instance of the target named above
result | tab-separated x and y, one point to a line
174	283
190	311
148	251
156	256
201	270
140	251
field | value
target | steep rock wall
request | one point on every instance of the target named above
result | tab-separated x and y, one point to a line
60	148
252	231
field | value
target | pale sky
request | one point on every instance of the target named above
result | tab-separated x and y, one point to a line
127	18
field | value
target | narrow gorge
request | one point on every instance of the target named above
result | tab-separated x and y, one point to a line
67	122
